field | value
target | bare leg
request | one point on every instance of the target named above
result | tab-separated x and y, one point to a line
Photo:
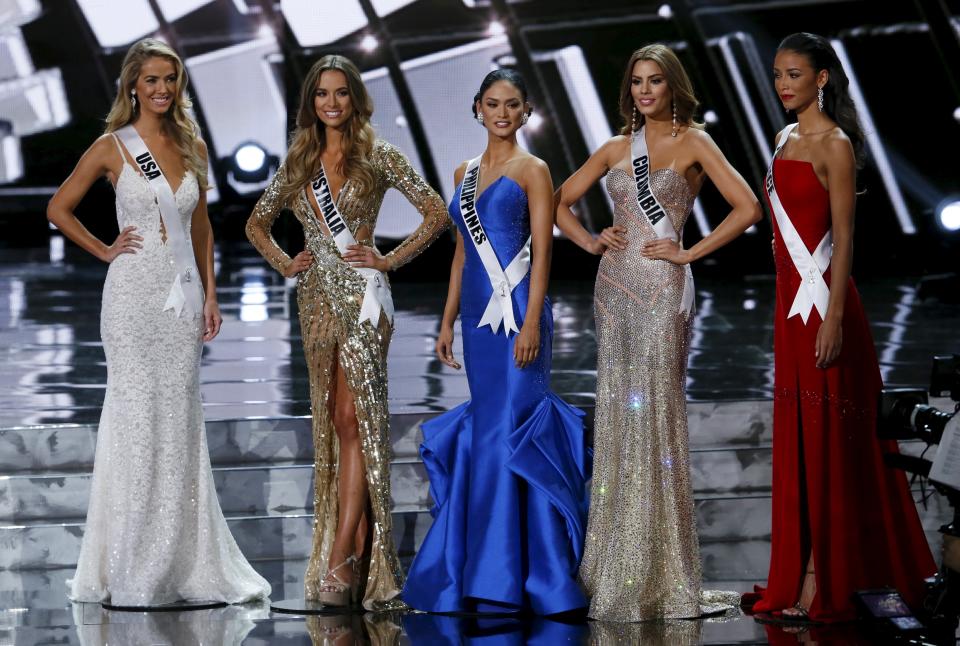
352	478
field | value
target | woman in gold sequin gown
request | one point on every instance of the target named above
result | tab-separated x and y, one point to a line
642	557
353	547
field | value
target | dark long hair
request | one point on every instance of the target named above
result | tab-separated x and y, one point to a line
503	74
837	102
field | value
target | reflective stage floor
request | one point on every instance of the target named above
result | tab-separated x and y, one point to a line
254	379
54	369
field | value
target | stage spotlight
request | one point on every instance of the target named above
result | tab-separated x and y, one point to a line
534	122
250	158
665	11
249	167
401	121
948	213
369	43
496	28
710	117
956	114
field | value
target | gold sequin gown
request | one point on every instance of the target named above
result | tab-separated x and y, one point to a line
642	555
329	295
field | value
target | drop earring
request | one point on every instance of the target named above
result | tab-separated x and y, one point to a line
673	132
479	118
133	99
635	119
820	99
524	118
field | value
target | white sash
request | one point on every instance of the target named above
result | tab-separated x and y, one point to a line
656	216
500	306
377	295
183	294
813	290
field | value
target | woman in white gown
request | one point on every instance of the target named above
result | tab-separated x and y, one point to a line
155	533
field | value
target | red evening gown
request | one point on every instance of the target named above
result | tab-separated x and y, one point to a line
832	492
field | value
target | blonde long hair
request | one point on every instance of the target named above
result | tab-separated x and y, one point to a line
309	139
684	99
176	122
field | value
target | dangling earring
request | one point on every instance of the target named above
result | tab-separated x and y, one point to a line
820	99
479	118
673	106
133	98
524	118
635	120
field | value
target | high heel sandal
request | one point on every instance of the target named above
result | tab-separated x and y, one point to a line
798	612
337	592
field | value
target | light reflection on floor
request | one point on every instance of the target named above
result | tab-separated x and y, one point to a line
54	370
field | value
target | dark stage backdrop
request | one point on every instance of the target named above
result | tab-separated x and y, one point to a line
422	61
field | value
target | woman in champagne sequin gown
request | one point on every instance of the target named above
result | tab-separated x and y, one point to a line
642	559
346	358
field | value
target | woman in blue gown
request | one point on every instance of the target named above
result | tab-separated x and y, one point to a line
508	468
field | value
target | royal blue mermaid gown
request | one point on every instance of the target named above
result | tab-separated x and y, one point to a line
508	469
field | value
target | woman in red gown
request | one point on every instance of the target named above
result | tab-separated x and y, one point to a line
842	520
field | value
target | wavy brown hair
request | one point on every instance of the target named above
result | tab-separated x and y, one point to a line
309	138
679	83
176	122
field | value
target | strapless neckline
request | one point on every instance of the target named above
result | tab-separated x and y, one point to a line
680	176
486	190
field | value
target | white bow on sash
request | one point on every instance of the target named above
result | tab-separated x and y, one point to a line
813	290
656	216
185	293
377	294
500	306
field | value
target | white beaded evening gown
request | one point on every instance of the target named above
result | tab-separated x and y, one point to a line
155	533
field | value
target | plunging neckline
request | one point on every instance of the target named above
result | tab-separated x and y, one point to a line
318	212
126	165
343	185
123	157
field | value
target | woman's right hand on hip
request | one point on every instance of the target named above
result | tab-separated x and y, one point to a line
301	262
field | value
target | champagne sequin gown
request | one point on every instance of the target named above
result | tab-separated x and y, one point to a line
642	555
329	295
